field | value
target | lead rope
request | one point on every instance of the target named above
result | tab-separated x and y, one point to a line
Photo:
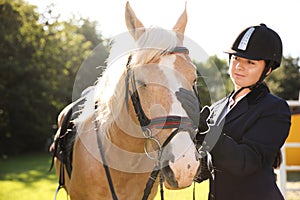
150	182
161	180
194	191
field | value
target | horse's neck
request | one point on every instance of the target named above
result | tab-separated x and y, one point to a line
133	182
129	165
126	133
129	170
123	143
129	139
125	147
132	165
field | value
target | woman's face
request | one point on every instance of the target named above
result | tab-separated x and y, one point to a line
245	72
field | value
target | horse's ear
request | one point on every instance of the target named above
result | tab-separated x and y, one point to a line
181	24
134	25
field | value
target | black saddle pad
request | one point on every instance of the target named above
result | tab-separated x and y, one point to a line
63	145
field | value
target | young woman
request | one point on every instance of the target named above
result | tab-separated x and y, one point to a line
250	125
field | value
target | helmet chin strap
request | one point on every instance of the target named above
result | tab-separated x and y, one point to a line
260	81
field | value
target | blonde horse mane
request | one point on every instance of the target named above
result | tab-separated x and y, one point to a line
110	88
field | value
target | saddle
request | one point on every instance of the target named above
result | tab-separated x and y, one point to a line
65	138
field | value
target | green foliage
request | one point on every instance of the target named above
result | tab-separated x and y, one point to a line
39	59
19	76
285	81
213	80
43	58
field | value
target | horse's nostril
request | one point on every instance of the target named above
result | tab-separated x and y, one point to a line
188	166
170	177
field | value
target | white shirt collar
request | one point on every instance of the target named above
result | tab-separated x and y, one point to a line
232	103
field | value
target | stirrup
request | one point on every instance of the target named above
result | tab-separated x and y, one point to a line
57	190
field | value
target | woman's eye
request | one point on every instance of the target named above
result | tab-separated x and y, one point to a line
251	62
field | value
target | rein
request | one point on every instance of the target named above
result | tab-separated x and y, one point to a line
105	166
146	124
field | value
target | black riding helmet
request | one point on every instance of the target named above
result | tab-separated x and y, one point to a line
258	43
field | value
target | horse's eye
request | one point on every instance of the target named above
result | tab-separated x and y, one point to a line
141	83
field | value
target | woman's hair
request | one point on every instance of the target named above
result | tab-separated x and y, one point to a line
278	160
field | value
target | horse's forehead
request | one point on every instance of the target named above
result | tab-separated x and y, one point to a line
177	69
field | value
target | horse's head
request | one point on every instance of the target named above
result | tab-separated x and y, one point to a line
155	71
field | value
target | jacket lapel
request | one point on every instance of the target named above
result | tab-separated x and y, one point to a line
240	108
218	110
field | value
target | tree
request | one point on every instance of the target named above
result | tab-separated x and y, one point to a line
285	81
39	60
90	69
19	35
213	80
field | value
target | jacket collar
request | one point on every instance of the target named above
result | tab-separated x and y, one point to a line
259	92
242	106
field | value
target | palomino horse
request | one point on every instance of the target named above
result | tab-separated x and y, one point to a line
131	125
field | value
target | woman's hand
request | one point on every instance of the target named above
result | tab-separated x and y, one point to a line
193	109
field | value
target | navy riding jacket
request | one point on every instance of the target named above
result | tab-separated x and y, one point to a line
243	156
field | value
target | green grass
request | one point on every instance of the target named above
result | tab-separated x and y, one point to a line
201	192
28	177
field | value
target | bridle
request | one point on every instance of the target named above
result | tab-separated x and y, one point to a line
163	122
146	124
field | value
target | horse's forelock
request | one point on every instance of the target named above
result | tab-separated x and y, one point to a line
153	43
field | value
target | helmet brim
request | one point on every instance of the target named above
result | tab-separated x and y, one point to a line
241	54
244	55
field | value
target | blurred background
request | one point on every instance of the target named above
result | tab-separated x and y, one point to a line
41	51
